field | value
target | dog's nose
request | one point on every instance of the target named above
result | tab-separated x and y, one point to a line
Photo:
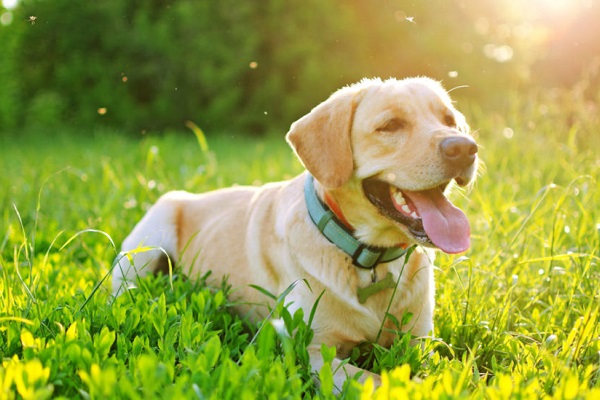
458	151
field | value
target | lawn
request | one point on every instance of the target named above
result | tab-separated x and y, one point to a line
516	316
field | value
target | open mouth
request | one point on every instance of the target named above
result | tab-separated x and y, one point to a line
429	216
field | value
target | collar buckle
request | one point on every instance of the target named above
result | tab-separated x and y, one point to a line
367	257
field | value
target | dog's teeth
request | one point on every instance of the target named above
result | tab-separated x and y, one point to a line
399	198
401	202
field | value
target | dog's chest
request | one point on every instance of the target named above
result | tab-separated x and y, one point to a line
403	303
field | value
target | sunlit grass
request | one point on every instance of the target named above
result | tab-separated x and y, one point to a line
516	316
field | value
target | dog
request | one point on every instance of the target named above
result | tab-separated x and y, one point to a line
380	157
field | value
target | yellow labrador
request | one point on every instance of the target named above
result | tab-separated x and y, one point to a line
380	156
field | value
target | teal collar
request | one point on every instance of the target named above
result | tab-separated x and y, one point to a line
362	255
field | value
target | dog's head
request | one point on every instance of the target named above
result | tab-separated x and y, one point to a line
386	152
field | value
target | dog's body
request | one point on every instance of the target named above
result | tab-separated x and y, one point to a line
362	145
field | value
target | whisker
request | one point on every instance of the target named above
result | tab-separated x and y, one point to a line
458	87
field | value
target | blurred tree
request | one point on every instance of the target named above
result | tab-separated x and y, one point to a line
152	65
245	66
10	99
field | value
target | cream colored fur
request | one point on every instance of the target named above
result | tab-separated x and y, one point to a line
263	235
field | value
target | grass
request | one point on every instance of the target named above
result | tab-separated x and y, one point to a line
516	317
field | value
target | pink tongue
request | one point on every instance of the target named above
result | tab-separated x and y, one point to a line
446	225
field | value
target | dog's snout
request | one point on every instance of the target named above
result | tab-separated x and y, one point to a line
459	151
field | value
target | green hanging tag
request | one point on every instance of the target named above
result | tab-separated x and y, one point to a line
386	283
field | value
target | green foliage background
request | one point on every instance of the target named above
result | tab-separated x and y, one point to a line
516	317
257	66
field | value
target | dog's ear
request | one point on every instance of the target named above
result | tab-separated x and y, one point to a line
321	139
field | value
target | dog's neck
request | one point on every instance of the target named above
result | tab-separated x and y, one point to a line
337	211
338	231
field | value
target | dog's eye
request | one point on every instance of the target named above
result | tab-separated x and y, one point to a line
394	124
450	121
